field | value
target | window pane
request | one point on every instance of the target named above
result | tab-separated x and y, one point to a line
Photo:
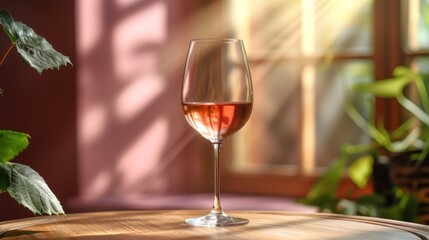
344	26
333	126
416	19
270	137
421	64
285	26
271	25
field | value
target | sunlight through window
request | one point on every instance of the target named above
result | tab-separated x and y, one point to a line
295	49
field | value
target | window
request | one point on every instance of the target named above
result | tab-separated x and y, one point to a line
303	54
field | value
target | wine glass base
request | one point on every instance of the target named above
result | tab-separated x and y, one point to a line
216	220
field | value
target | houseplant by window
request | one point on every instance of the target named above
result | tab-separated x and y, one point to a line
371	163
23	183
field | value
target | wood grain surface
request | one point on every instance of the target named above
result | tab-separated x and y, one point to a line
170	225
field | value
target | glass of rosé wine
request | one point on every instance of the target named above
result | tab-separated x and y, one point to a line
217	99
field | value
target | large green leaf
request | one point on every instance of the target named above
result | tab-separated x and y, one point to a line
11	144
29	189
34	49
389	88
386	88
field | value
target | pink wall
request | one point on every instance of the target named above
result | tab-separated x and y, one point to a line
132	136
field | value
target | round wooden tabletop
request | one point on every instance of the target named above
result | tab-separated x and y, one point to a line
170	225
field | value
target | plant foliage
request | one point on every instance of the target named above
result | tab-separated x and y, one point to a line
23	183
28	188
35	50
358	160
12	143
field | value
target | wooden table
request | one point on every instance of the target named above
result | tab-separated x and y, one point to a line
169	225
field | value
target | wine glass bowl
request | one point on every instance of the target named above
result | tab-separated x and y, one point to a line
217	121
217	100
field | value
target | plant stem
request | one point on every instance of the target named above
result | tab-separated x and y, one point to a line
411	107
6	53
423	93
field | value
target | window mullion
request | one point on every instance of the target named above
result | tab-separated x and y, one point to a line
388	53
308	82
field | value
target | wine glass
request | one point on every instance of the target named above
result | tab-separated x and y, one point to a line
217	99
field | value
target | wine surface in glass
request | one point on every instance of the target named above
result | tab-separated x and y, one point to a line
217	121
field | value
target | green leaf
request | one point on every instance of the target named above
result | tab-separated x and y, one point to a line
29	189
409	206
35	50
370	205
422	87
367	126
6	21
402	71
5	174
360	170
323	192
386	88
11	144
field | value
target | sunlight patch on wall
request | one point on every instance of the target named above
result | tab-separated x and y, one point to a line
137	40
95	123
137	43
143	155
126	3
99	185
90	34
121	133
137	96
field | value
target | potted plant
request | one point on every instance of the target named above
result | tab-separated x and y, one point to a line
23	183
376	162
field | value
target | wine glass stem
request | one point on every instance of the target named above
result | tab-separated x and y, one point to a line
217	208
